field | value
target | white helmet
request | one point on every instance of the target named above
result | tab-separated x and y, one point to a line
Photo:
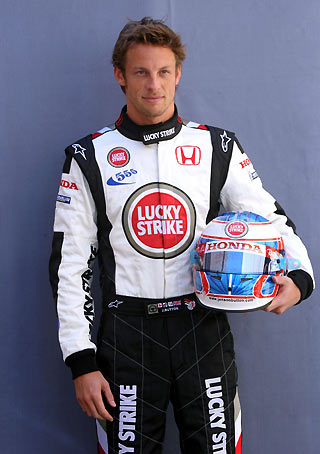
235	259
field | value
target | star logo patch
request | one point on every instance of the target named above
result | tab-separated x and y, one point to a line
115	304
78	149
224	141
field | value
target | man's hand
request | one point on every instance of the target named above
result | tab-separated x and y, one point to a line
288	295
89	389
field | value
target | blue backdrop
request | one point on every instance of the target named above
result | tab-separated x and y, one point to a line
253	66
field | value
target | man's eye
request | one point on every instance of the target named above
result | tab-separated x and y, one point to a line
141	72
164	71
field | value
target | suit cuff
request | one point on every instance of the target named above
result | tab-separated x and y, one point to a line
303	281
82	362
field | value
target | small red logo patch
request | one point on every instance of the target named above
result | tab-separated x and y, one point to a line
236	229
188	155
118	157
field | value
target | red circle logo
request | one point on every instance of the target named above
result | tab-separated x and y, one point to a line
118	157
236	229
159	220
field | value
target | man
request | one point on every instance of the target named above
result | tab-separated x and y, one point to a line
138	194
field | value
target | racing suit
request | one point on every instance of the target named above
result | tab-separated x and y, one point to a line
138	197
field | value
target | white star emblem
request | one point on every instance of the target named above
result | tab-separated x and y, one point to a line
79	149
115	303
224	141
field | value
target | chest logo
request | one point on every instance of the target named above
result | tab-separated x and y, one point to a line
118	157
188	155
159	220
122	178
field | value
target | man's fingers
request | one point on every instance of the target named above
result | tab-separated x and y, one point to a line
288	295
276	307
274	303
280	280
89	388
109	396
100	409
93	406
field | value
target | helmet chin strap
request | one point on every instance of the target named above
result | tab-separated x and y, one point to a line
293	264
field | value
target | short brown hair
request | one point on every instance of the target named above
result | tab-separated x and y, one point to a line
147	31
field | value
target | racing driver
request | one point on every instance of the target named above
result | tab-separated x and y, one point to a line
138	194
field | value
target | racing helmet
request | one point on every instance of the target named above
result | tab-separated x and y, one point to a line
234	261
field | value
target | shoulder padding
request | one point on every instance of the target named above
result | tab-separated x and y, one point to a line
83	152
222	139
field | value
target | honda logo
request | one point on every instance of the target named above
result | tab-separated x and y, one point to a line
188	155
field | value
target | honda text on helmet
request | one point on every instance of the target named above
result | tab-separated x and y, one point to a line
235	259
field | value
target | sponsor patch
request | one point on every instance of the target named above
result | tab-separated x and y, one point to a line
225	141
241	246
78	149
115	304
122	178
190	304
188	155
245	163
118	157
166	306
236	229
127	418
63	199
153	309
253	175
216	414
159	220
68	185
86	277
153	137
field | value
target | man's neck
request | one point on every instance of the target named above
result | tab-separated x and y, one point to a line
141	120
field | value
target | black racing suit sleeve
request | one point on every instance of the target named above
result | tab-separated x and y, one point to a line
303	281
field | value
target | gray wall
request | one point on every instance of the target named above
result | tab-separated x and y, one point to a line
253	67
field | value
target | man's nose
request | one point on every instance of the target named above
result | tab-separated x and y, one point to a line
153	82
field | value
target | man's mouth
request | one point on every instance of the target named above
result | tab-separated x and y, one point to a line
152	99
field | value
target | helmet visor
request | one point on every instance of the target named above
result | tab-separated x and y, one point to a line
240	258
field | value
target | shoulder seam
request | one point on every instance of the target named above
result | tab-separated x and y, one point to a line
199	127
97	134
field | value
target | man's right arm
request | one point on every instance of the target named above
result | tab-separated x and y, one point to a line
74	249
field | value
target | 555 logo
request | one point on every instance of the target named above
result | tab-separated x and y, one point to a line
121	178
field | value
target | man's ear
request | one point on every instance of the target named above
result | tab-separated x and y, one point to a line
118	75
178	74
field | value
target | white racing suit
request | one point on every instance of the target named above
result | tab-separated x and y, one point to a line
138	197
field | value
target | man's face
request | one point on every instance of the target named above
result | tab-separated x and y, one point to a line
150	80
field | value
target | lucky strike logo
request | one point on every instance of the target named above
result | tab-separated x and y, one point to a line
159	220
166	217
236	229
118	157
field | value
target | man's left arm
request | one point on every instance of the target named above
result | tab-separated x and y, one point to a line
243	190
